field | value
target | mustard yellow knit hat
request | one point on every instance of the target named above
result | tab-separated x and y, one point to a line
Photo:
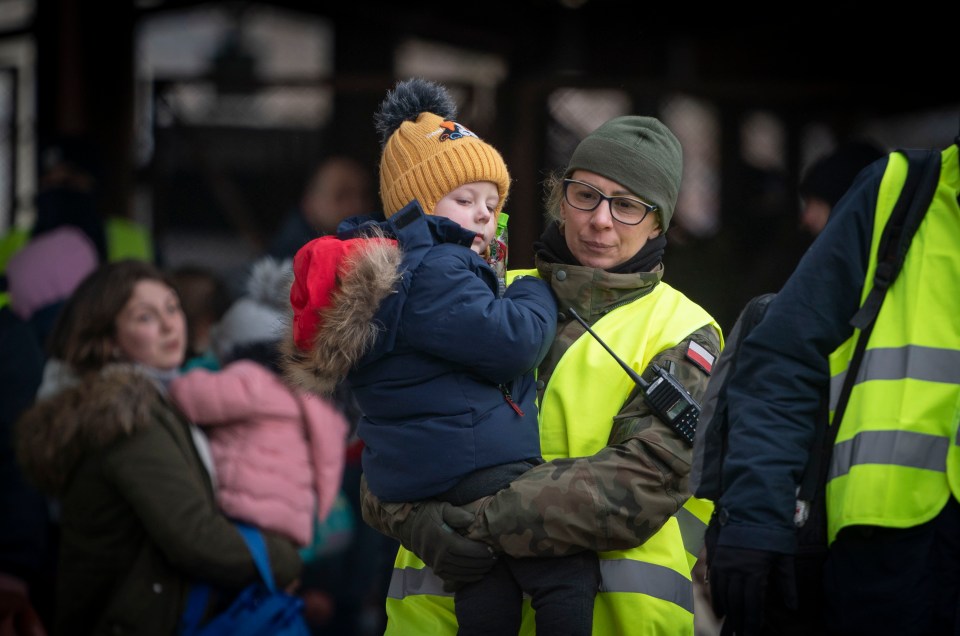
426	154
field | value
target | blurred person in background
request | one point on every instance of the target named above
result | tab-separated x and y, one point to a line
133	478
339	187
279	452
27	540
41	276
45	272
68	194
829	177
205	298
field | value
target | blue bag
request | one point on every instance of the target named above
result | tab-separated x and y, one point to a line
260	609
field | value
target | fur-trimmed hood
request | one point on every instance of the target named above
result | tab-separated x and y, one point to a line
54	434
347	329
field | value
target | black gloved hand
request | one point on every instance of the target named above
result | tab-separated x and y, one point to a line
739	578
451	556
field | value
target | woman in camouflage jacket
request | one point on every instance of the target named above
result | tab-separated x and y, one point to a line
617	479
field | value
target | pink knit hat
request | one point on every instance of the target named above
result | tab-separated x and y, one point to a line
48	268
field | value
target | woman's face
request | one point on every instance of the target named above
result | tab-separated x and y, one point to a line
595	238
151	327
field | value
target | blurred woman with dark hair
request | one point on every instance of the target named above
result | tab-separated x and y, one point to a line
139	521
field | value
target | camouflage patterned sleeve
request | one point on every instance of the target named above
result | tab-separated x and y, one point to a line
385	517
613	500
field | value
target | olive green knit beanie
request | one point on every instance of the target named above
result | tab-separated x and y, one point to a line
639	153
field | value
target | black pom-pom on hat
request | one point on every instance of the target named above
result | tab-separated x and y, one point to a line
407	100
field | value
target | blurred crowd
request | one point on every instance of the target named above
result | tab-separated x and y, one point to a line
220	370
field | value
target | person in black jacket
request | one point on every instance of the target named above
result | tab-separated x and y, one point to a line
878	579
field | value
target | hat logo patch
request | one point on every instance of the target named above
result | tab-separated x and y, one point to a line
452	130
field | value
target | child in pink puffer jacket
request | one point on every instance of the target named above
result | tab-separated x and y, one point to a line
278	452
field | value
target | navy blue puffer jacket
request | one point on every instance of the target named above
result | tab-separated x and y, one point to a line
448	386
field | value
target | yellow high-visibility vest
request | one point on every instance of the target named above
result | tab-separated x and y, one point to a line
895	461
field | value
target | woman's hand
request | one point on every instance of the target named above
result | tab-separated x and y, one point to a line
426	528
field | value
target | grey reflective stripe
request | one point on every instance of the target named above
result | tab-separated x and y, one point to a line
618	575
892	448
692	531
916	362
626	575
410	581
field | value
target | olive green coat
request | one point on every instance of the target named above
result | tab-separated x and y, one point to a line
139	519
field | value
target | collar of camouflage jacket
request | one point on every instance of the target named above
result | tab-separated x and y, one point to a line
593	292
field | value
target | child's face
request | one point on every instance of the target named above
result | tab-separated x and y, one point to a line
472	206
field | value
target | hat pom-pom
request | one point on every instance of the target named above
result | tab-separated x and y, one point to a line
269	282
407	100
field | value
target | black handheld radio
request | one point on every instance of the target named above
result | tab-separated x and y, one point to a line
665	396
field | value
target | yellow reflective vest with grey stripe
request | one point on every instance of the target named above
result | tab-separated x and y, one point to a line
896	459
645	590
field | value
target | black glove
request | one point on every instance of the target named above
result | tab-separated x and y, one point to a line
738	586
452	557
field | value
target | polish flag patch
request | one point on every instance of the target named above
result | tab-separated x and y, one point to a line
700	357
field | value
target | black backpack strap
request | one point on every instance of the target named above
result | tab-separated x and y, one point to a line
923	174
710	445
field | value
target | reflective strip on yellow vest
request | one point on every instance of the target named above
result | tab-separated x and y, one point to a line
920	363
417	603
619	575
693	519
896	459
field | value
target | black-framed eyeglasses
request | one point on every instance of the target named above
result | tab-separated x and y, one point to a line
626	210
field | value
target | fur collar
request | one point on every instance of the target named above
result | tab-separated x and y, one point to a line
54	435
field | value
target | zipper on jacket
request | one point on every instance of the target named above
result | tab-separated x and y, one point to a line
509	399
